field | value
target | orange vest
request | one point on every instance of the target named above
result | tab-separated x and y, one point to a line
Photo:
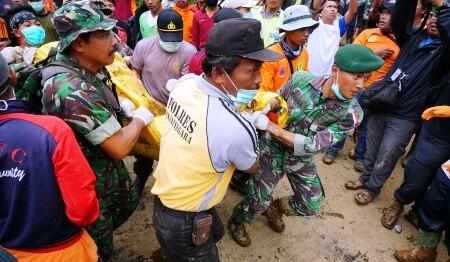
275	74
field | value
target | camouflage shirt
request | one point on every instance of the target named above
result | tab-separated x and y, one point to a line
81	102
318	122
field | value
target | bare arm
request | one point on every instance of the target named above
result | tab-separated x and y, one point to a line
351	12
281	135
316	5
122	142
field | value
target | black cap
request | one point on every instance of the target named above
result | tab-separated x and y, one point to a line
170	26
388	5
239	37
226	13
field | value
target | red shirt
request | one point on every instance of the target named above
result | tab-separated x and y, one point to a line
200	28
195	65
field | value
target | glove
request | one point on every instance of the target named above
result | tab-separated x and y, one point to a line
436	111
127	106
143	114
257	118
260	120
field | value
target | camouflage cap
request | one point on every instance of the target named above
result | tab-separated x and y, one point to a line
76	18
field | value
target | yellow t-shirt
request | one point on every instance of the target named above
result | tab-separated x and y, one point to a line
203	140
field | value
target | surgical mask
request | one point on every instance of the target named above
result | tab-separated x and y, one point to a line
34	35
170	47
335	88
243	96
37	6
247	15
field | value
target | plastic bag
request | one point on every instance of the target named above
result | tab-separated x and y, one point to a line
261	100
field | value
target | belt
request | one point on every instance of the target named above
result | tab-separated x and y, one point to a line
178	213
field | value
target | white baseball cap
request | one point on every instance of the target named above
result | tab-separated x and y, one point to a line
239	3
297	17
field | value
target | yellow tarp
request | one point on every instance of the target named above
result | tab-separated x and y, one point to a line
261	100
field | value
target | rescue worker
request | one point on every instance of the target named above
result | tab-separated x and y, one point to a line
205	139
296	23
84	97
322	111
46	184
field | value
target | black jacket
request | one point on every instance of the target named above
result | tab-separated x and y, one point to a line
421	67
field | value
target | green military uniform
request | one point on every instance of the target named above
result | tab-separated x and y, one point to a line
317	122
86	102
321	122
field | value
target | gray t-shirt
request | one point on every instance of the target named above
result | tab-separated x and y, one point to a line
158	66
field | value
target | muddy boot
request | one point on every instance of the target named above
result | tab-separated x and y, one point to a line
328	157
359	165
239	233
391	215
424	251
275	217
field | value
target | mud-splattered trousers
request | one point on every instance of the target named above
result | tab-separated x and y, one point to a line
318	123
387	137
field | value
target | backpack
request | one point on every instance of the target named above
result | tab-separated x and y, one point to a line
30	79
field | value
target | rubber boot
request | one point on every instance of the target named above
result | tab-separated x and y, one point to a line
424	251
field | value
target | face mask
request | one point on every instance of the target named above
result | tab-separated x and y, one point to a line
243	96
335	88
37	6
34	35
170	47
247	15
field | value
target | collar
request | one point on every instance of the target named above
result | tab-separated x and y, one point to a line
18	106
277	13
210	89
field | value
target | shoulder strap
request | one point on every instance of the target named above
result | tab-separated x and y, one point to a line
55	68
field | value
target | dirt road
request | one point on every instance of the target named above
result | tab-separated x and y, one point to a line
343	231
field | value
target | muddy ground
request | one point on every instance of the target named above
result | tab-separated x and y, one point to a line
343	231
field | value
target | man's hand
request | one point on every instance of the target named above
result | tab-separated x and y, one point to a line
384	52
446	166
436	111
257	118
143	114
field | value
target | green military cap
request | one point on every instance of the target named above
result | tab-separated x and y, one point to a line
76	18
357	59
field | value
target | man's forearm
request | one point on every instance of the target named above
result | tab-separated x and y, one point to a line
122	142
281	135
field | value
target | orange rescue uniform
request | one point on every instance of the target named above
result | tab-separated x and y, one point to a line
187	14
374	39
275	74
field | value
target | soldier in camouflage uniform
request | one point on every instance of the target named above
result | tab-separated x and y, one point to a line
84	97
322	111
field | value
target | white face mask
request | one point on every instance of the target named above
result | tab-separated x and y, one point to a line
170	47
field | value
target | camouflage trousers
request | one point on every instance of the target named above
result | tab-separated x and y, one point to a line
275	161
118	198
